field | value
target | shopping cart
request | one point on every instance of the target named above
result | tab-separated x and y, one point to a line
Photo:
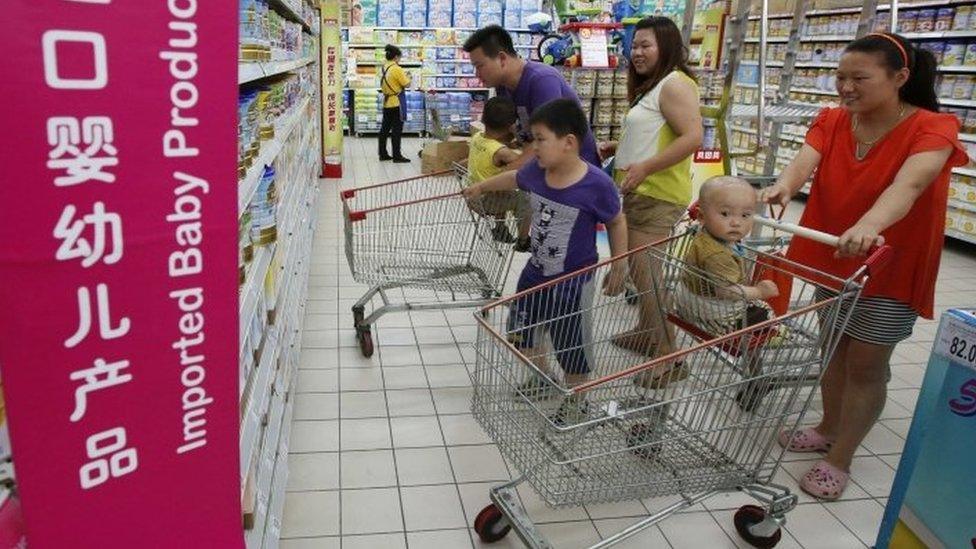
670	427
421	237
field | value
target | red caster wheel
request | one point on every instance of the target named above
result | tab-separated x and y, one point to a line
491	525
365	337
749	515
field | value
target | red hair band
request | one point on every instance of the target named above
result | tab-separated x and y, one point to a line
893	40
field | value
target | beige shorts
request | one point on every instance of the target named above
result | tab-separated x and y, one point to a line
650	215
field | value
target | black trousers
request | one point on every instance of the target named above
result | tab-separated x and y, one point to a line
392	128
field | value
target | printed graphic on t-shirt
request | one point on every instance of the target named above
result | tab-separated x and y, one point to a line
552	225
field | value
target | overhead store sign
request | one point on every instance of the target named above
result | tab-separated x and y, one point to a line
118	332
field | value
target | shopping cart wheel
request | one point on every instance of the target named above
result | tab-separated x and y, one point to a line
365	338
491	525
358	313
747	516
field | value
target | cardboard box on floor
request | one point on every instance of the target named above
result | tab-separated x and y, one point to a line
441	155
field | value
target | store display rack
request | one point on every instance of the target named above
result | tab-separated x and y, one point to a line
275	274
802	52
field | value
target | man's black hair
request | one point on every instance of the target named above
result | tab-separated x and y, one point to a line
562	117
392	52
499	114
492	40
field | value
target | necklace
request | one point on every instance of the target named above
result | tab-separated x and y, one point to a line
860	153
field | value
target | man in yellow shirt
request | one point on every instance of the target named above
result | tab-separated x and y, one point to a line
393	82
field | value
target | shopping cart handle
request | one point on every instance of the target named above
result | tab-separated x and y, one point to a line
879	259
799	230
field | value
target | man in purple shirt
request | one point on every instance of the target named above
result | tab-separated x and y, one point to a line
528	84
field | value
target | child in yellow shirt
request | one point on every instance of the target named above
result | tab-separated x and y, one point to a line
489	156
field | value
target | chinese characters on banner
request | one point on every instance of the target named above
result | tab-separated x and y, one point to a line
119	292
331	90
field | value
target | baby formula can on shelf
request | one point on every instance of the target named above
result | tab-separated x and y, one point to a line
954	54
925	21
960	21
944	18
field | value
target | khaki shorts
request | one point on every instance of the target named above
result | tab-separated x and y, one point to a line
651	215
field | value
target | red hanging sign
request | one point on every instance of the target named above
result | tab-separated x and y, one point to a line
118	332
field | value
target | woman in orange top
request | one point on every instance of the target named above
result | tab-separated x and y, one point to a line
882	165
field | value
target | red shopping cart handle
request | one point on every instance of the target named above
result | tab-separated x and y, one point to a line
359	215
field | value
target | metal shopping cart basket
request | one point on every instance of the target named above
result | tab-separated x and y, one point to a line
421	237
636	428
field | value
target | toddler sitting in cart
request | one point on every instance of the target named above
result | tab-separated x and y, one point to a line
568	198
714	293
489	155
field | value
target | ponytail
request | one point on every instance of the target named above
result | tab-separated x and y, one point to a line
897	53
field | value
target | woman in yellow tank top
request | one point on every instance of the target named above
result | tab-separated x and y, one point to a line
662	130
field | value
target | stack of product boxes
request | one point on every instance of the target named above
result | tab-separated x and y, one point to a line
453	111
465	13
367	110
440	13
490	12
415	113
961	214
389	12
516	11
414	13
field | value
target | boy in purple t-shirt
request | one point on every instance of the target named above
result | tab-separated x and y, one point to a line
529	85
568	198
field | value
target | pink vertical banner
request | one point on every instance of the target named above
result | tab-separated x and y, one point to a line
118	262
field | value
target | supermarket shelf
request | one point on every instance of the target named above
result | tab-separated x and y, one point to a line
247	187
772	16
959	235
960	205
814	91
249	72
828	38
957	68
462	29
743	129
379	63
967	103
754	62
783	113
965	171
924	4
939	35
377	46
816	65
838	11
285	9
253	285
769	40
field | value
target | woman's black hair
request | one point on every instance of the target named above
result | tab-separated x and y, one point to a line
392	52
919	90
672	55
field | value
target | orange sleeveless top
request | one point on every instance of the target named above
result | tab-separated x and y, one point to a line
845	188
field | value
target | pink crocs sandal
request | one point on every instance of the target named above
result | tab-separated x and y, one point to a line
824	481
804	440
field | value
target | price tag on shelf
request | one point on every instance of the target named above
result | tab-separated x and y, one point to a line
957	339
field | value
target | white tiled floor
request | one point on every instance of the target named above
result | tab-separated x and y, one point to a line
385	453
